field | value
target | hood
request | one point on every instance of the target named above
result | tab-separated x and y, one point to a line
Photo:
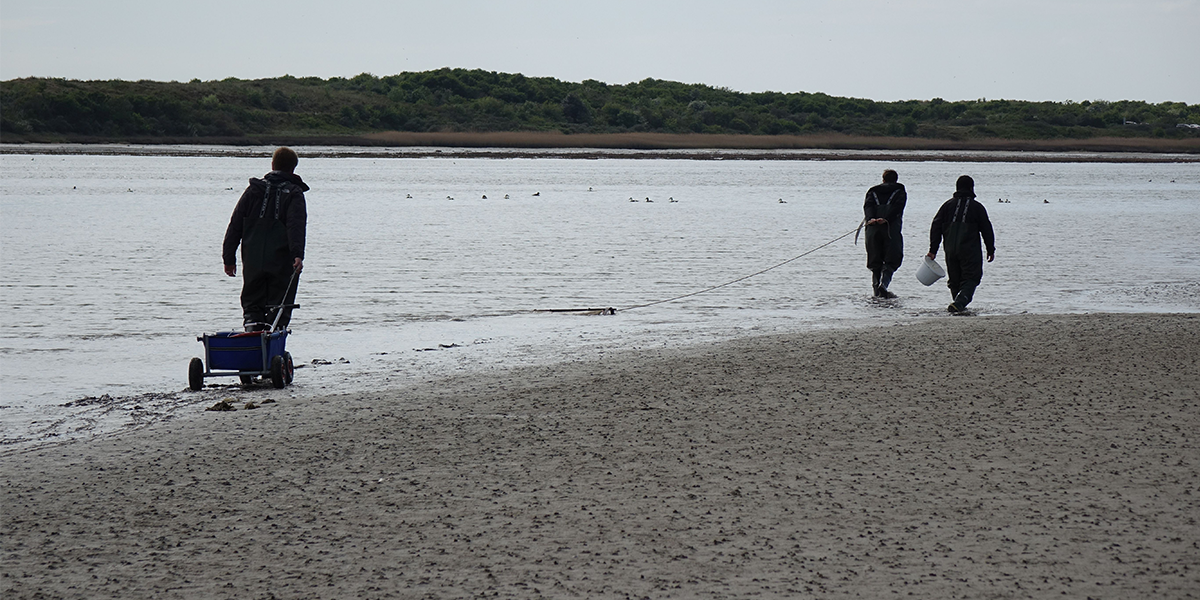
278	177
891	187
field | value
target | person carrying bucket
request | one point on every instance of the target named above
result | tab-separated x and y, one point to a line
883	213
269	223
959	225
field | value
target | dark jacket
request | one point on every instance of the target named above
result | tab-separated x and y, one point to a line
886	201
293	213
962	221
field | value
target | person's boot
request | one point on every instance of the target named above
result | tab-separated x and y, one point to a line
964	296
885	280
875	275
252	322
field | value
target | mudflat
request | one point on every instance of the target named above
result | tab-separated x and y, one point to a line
1025	456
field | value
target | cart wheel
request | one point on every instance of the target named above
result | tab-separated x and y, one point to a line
196	374
246	379
277	371
289	368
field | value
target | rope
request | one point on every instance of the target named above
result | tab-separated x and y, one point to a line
728	283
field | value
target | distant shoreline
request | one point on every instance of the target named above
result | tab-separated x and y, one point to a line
639	145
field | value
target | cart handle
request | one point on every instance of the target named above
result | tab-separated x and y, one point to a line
279	311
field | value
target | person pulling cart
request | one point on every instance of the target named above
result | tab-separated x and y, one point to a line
268	223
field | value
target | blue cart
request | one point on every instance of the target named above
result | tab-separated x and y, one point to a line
246	355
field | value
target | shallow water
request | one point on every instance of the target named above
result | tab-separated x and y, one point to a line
113	263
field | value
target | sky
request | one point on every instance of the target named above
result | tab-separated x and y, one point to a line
1055	50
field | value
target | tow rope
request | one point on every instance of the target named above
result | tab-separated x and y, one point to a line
613	311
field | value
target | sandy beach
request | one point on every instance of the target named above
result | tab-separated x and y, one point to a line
1027	456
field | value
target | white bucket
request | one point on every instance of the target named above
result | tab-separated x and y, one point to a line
929	271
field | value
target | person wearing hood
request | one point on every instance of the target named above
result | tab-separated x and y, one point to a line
883	211
269	223
959	225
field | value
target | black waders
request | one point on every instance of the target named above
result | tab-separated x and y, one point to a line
964	258
885	253
267	264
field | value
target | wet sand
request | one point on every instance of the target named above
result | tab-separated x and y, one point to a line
979	457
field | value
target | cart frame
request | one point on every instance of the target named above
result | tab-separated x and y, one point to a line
244	355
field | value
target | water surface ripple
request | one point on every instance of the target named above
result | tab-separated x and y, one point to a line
420	267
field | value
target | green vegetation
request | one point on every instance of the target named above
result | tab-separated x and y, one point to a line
456	100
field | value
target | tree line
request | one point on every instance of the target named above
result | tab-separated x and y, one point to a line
459	100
